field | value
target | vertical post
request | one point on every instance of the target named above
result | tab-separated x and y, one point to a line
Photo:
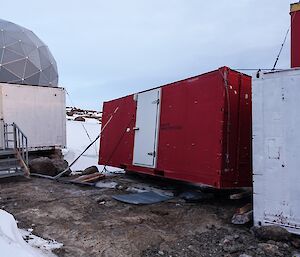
295	35
5	135
2	130
19	139
15	136
22	147
27	162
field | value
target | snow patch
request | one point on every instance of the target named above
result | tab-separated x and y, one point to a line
38	242
79	136
111	185
11	241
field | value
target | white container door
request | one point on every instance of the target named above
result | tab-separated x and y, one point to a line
146	129
276	144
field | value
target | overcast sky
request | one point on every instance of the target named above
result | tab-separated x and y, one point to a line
107	49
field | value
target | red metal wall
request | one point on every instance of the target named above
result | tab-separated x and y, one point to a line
194	136
295	35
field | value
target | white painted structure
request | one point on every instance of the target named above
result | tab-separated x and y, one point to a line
146	130
276	149
38	111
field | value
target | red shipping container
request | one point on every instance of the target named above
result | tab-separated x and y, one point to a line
196	130
295	35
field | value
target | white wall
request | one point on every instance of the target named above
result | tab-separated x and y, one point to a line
38	111
276	149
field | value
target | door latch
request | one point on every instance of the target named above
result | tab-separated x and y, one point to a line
152	154
135	128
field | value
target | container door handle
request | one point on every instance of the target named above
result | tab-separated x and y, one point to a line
152	154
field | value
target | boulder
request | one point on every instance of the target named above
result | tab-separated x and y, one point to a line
70	113
270	249
296	242
47	166
90	170
61	165
275	233
79	118
43	165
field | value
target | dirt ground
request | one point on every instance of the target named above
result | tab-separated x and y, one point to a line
90	223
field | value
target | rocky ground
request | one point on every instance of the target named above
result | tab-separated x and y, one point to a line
90	223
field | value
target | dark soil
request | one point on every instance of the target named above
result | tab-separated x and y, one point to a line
90	223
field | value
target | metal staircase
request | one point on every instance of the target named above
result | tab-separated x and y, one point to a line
14	152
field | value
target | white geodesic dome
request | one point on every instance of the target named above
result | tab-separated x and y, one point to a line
24	58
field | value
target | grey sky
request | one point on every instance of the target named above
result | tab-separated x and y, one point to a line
107	49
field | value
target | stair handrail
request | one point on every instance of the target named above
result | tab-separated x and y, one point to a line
21	146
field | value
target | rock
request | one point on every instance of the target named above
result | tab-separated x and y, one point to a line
43	165
233	248
251	247
270	249
230	245
195	196
245	255
79	118
272	242
47	166
210	226
296	242
56	154
61	165
236	236
275	233
241	219
90	170
70	113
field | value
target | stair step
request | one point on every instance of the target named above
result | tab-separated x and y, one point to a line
11	174
8	160
7	152
9	167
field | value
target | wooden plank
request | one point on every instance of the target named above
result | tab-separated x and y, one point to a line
244	209
89	178
23	164
241	195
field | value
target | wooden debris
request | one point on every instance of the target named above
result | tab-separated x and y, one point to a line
90	178
243	215
241	219
248	207
241	195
